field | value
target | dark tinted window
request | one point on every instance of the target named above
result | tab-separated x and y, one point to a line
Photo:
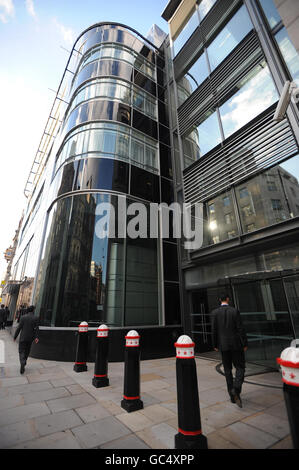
144	184
165	161
164	135
144	82
172	304
105	174
170	260
145	124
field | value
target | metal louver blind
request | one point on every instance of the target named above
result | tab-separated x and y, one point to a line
209	28
223	80
260	145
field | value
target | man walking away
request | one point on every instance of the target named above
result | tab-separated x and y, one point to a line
7	313
28	327
2	317
229	337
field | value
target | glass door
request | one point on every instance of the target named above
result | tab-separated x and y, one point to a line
291	285
266	318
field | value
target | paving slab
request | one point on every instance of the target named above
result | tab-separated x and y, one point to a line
128	442
59	440
135	421
278	427
15	433
97	433
92	412
247	437
57	422
21	413
44	395
71	402
160	436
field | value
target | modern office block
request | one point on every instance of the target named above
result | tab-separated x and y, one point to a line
184	118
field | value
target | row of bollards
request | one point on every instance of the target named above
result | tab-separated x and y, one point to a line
189	423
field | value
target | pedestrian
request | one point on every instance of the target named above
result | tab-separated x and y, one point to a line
2	317
28	327
229	337
7	313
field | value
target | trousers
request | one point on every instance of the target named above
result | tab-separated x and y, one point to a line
236	359
24	350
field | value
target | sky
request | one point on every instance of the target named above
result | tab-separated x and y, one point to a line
35	36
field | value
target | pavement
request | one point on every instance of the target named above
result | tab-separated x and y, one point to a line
52	407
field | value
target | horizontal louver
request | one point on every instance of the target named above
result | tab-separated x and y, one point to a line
209	29
258	146
223	80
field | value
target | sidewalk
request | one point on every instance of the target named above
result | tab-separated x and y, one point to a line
53	407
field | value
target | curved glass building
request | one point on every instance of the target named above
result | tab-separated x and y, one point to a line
112	146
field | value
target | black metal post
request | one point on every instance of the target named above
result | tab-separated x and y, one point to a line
289	364
82	344
189	423
131	398
100	378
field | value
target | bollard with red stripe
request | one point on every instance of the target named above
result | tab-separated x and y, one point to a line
82	345
289	364
189	424
100	378
131	399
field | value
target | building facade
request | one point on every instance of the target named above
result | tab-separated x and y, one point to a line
185	118
230	60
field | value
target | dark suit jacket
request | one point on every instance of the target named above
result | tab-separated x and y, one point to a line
228	333
2	315
28	327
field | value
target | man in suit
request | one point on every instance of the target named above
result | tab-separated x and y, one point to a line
28	327
230	339
2	317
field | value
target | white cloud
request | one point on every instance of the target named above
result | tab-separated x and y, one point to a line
30	8
66	33
7	10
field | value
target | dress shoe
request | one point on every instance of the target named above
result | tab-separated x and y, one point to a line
238	401
22	369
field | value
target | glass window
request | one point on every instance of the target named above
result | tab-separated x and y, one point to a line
209	134
193	79
260	207
186	32
289	53
204	7
231	35
257	92
271	12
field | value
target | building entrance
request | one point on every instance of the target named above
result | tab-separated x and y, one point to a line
269	306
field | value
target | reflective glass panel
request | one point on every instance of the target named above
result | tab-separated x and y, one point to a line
271	197
186	32
204	7
220	220
231	35
289	53
191	81
209	135
271	12
257	92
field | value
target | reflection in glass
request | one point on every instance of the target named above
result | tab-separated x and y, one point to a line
82	270
267	199
209	135
289	53
257	92
191	81
271	12
112	141
231	35
204	7
185	34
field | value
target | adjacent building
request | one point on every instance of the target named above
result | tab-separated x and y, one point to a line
184	118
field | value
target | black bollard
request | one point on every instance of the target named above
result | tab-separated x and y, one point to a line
131	400
82	344
289	363
189	424
100	378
